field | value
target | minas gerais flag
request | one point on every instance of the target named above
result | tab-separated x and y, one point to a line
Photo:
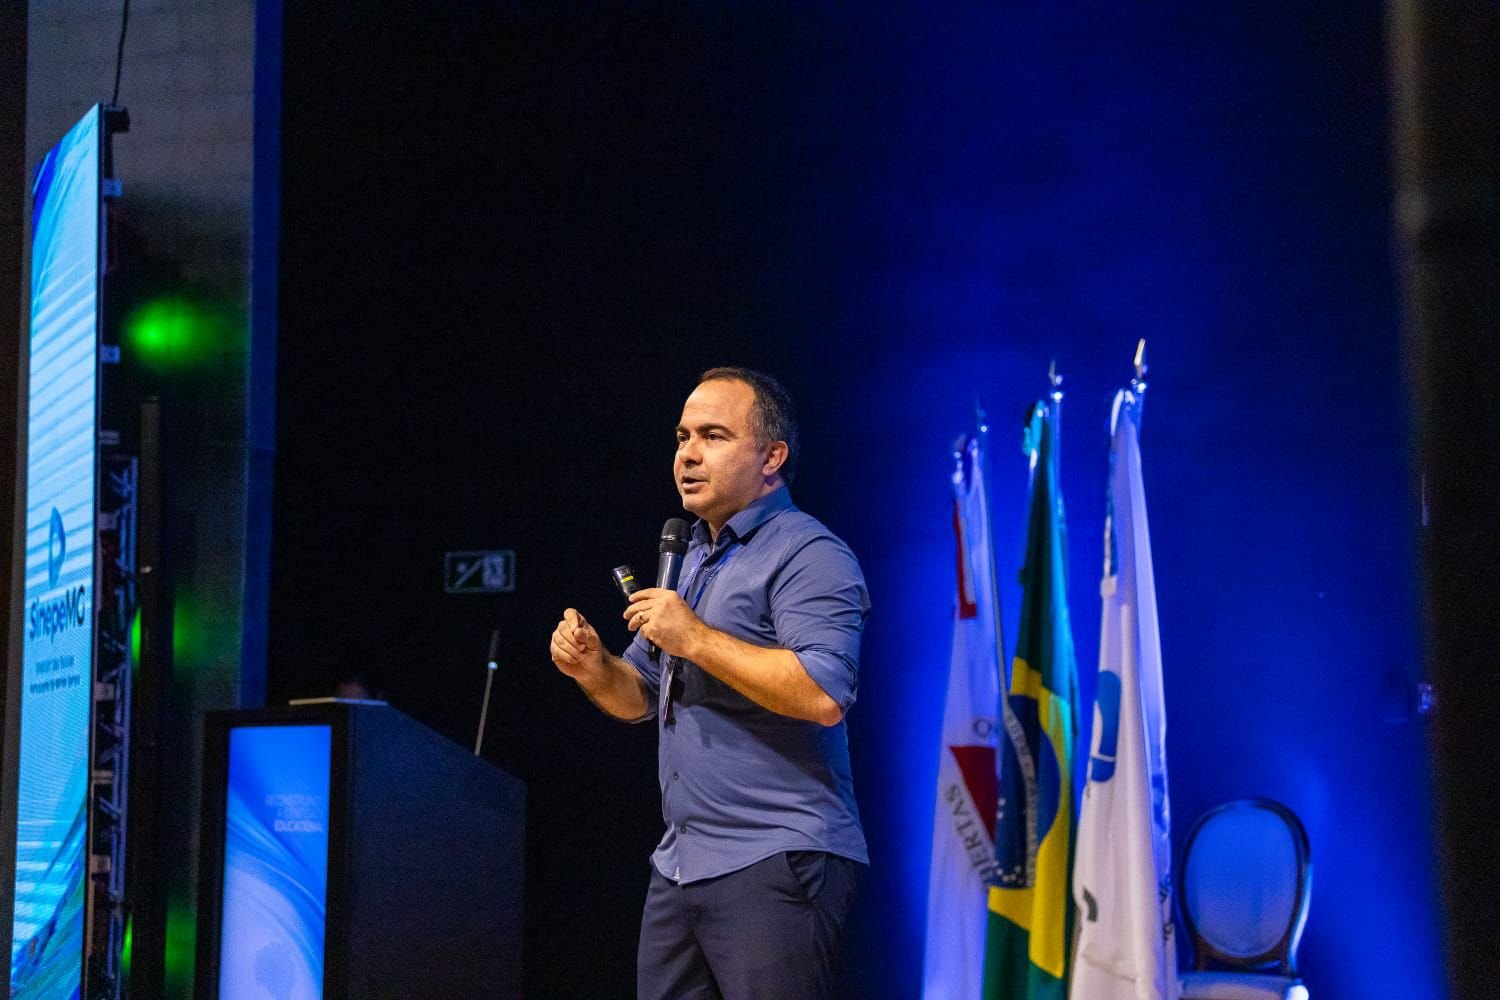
1031	910
963	833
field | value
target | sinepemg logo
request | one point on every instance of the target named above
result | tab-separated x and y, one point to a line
59	614
57	548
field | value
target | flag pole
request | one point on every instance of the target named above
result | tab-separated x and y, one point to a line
1053	404
1055	396
1138	383
1054	409
981	431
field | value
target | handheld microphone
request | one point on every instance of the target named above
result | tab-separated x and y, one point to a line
674	545
625	580
489	679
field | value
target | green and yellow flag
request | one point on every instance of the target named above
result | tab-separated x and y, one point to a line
1029	942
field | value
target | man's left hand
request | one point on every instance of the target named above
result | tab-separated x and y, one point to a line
663	617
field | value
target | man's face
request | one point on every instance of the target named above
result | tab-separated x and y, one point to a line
720	468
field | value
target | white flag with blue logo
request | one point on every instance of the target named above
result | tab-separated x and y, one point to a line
1122	874
963	833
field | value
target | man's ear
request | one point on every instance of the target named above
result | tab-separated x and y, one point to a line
775	459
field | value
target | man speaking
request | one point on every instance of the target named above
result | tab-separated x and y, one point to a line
748	668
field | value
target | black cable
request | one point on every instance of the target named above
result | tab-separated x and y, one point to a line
114	101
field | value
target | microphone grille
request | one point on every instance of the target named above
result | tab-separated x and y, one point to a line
674	535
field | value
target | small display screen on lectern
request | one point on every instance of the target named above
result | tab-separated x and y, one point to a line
275	888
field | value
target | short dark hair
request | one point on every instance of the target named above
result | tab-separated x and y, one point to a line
774	415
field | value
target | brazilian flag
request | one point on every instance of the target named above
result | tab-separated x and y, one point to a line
1029	942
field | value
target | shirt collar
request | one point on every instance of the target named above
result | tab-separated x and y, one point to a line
742	525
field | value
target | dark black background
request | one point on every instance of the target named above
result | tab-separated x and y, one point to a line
510	242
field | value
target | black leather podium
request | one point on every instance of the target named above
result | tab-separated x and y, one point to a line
415	845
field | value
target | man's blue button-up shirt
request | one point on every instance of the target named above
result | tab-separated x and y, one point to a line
739	782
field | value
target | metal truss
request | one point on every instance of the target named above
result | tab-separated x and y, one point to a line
106	908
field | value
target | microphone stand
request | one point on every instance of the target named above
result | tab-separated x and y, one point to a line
489	681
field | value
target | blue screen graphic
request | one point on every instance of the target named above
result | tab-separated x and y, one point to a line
46	958
275	863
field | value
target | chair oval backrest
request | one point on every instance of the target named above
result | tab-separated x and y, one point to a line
1245	882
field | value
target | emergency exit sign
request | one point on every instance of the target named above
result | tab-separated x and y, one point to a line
480	571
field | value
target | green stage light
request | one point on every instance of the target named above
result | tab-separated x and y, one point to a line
188	640
181	944
135	642
179	332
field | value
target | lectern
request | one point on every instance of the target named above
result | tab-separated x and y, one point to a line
348	851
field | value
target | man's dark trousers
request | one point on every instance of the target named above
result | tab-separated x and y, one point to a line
770	930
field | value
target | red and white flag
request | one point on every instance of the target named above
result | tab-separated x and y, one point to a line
963	833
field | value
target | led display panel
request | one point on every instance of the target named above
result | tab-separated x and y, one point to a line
275	878
57	629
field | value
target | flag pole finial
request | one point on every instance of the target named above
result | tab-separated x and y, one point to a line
1138	380
981	429
1054	394
1054	404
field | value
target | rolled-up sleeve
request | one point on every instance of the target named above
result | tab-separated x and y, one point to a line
819	604
649	669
